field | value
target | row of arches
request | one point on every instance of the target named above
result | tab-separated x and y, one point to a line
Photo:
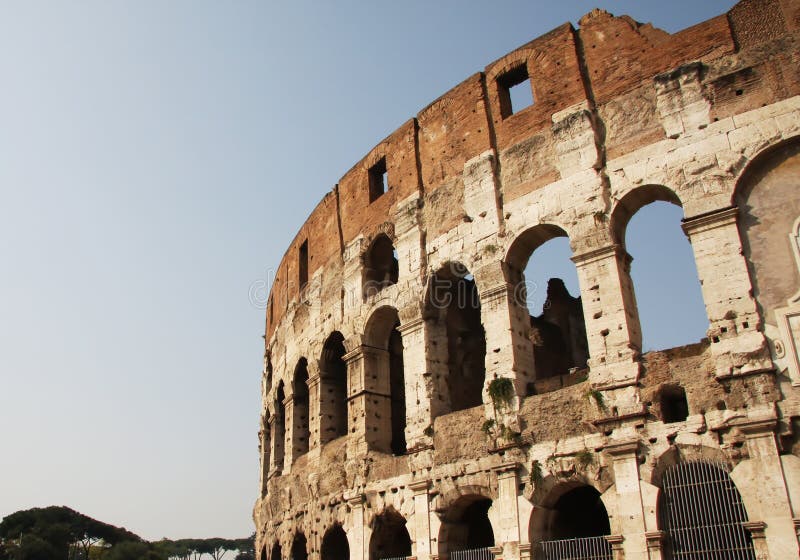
699	508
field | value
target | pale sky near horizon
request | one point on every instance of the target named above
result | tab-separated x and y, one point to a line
156	158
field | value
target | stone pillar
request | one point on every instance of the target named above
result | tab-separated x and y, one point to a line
506	321
609	311
737	343
290	453
276	442
264	450
314	408
761	479
419	419
355	533
630	511
655	544
368	399
617	543
525	551
422	519
507	531
758	534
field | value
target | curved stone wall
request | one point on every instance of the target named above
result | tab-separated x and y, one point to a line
408	395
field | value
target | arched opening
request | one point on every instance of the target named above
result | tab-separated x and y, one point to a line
390	538
673	404
275	554
385	376
299	548
333	389
572	523
380	265
540	261
300	424
662	272
280	427
701	511
456	339
466	528
335	545
263	555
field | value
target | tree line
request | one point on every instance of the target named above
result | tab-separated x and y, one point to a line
61	533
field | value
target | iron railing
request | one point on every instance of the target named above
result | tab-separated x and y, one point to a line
586	548
472	554
702	513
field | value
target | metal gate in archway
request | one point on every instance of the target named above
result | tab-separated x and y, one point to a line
702	513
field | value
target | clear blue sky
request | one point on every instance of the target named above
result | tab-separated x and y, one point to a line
156	158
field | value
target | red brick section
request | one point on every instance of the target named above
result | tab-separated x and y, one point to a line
609	63
452	129
554	71
402	178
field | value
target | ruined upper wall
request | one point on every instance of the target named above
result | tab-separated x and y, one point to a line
608	65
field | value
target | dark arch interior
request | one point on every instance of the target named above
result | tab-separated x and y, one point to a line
263	553
280	425
469	527
390	538
335	545
275	554
380	265
454	302
398	392
300	407
299	549
333	385
579	513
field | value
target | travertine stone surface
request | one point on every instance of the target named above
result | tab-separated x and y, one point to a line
426	403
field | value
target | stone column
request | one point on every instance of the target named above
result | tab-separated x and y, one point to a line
617	543
422	519
264	450
630	512
761	480
314	409
737	343
505	319
290	453
609	311
655	544
355	534
368	399
419	416
758	534
507	516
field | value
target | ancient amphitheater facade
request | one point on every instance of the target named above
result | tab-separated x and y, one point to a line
413	408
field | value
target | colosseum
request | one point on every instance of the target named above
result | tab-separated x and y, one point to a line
412	405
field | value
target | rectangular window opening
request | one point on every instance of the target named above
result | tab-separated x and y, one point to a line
516	92
377	180
303	265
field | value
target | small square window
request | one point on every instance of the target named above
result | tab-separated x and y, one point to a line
303	265
377	180
516	92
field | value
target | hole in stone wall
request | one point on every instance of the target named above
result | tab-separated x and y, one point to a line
333	381
300	410
390	538
335	545
381	268
515	91
674	407
302	265
378	178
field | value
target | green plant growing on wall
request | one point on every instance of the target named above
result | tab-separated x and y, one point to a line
598	398
501	392
488	425
537	476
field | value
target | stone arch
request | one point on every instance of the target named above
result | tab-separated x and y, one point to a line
574	508
335	544
275	553
557	337
390	537
300	409
385	378
279	434
766	194
332	389
380	265
456	339
682	453
645	320
299	550
465	521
